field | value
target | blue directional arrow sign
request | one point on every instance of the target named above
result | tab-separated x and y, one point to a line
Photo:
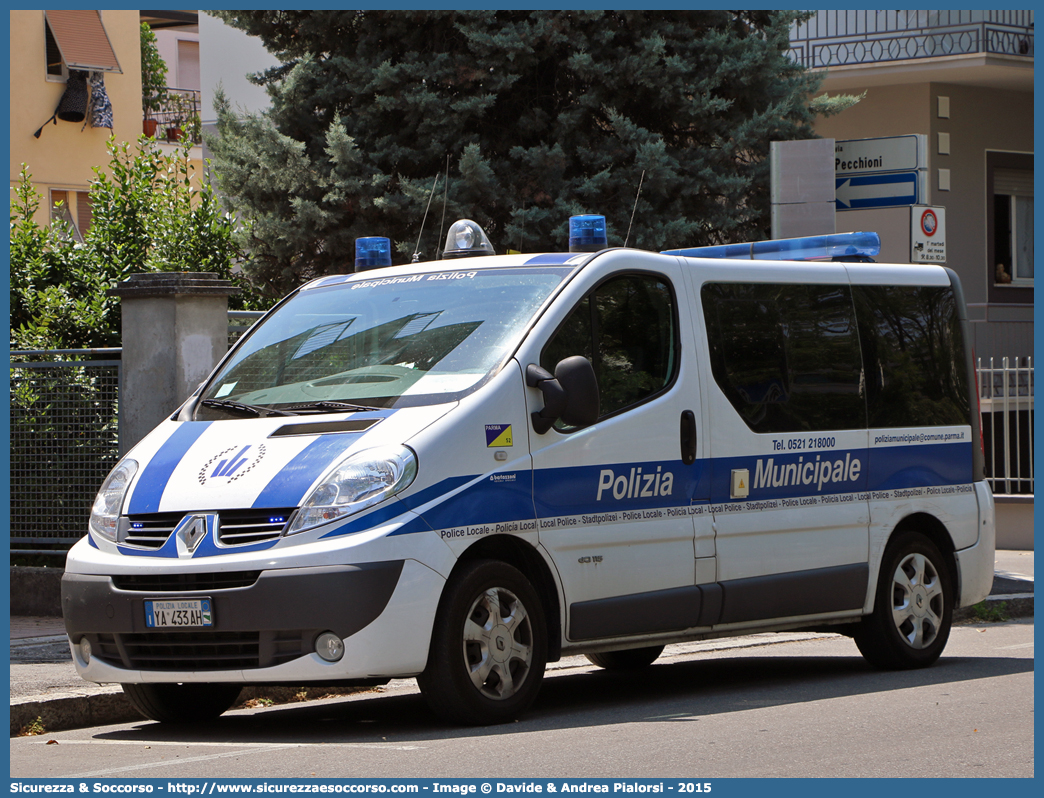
877	190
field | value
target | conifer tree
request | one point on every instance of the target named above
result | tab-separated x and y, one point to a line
539	114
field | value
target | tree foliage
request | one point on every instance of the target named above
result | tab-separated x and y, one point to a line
540	114
153	72
148	214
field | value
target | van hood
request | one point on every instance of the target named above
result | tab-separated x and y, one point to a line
271	462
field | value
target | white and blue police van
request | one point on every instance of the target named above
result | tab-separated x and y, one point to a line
464	469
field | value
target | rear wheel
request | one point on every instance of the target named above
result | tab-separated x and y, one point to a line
631	659
181	703
488	648
913	608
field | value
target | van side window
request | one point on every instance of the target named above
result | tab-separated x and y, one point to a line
627	328
914	352
786	356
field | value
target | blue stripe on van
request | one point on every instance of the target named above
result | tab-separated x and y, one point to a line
381	515
780	475
580	490
925	465
287	488
394	509
497	498
153	480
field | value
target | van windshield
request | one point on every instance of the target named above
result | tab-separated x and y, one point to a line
395	341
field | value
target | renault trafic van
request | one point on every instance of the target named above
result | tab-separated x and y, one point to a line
464	469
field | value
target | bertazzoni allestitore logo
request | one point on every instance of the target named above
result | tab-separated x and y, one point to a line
231	464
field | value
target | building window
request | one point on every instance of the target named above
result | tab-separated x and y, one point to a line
73	208
77	39
55	65
1013	226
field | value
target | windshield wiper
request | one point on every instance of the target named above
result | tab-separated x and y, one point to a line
330	407
239	407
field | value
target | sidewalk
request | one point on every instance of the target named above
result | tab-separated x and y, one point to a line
45	685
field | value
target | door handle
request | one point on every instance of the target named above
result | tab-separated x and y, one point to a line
688	437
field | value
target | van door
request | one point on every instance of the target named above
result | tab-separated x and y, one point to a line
613	500
787	408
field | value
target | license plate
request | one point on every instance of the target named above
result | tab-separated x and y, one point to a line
179	613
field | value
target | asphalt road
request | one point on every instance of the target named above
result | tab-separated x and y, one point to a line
806	706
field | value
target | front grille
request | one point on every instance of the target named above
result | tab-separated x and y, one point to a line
183	583
148	530
201	651
240	527
235	527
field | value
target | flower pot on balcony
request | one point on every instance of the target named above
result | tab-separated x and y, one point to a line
174	133
148	127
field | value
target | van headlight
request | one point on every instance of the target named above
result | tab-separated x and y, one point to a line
357	482
105	513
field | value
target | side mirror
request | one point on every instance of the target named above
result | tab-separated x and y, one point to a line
571	394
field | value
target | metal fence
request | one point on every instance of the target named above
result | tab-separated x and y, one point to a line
1006	402
840	38
65	435
239	321
64	440
996	337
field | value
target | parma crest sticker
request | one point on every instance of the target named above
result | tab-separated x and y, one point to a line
498	436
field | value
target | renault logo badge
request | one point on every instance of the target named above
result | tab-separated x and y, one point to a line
193	528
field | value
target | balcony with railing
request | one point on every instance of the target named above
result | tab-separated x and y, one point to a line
846	38
175	117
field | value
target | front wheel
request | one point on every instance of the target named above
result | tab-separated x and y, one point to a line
488	648
913	608
181	703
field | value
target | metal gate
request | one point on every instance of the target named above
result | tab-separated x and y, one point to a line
64	440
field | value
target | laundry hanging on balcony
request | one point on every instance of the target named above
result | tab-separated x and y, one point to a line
72	107
100	108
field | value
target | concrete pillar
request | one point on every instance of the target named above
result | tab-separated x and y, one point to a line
175	329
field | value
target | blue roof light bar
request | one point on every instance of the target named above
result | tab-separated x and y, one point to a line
847	246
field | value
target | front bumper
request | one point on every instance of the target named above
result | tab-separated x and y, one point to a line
262	619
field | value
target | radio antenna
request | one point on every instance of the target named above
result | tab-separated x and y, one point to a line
628	238
522	232
416	250
445	193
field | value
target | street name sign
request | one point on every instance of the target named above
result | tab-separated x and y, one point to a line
888	154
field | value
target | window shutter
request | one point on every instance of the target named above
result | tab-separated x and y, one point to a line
82	40
1014	182
83	212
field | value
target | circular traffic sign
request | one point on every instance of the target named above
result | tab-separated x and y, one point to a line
929	224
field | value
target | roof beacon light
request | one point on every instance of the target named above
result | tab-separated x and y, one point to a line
587	233
466	240
373	252
837	246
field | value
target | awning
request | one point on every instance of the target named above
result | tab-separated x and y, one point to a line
82	40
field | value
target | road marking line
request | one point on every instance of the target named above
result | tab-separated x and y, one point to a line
178	761
211	744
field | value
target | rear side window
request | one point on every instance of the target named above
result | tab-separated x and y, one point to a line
914	352
627	328
786	356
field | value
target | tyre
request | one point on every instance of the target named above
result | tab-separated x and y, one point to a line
181	703
913	607
631	659
488	647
